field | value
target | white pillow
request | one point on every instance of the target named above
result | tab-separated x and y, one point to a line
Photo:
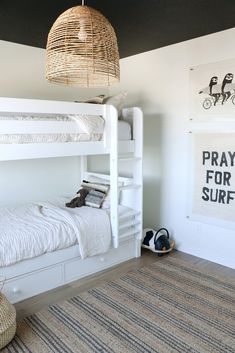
96	100
106	202
117	101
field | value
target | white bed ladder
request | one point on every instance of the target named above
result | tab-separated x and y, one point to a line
131	224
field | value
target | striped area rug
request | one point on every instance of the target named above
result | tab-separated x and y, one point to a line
168	307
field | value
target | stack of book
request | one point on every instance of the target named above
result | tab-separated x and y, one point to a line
95	198
96	195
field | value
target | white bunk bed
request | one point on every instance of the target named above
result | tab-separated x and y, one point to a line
37	275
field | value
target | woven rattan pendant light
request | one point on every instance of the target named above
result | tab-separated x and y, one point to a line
82	49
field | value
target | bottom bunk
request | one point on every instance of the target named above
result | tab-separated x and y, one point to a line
45	245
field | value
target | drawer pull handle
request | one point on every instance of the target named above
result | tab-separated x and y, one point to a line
16	290
102	259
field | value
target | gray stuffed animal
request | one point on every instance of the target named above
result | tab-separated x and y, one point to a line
79	199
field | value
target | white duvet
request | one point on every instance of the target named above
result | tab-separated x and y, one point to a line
91	130
91	127
32	230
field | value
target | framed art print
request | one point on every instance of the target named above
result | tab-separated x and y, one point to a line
212	91
212	182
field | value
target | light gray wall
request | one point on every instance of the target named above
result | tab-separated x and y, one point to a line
22	70
158	81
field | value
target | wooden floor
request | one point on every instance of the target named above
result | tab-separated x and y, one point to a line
32	305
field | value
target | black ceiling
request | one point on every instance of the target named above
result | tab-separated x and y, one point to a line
140	25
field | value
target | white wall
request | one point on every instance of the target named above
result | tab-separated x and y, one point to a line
22	71
158	81
38	180
22	75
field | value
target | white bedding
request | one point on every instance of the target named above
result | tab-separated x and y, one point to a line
91	130
34	229
48	138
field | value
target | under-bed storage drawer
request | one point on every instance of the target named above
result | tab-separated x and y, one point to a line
34	283
79	268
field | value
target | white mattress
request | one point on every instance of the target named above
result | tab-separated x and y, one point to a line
91	127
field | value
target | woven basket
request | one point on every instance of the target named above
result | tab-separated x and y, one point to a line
82	49
7	321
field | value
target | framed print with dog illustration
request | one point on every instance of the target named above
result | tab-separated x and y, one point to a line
212	91
212	184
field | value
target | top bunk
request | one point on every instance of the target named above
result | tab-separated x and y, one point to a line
31	129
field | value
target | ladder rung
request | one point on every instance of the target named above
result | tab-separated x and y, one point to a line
129	232
129	186
131	223
129	213
129	159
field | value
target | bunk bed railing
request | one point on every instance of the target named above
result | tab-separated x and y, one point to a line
36	106
17	151
12	106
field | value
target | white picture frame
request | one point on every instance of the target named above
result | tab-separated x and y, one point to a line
212	91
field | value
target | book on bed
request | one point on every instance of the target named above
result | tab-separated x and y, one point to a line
95	198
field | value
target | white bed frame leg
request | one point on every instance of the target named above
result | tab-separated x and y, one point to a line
137	170
112	120
138	173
